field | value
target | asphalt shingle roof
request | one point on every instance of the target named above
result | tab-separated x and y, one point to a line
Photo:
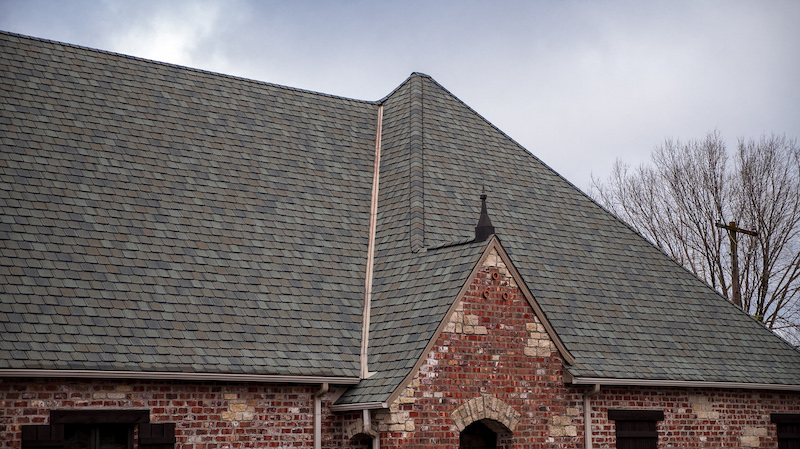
623	308
160	218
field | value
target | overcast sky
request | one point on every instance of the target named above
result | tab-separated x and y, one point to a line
578	83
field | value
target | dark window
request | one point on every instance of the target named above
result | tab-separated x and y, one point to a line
98	436
636	429
98	429
478	436
157	436
788	429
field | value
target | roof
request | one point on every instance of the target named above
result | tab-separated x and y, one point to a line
161	218
158	218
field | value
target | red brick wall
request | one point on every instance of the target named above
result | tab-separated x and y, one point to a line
494	347
698	418
207	415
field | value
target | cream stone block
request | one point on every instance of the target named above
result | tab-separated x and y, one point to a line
571	431
751	441
238	407
513	422
573	411
231	395
115	395
481	330
557	431
560	420
530	352
123	388
472	320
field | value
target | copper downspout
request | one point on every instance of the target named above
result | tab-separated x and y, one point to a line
373	218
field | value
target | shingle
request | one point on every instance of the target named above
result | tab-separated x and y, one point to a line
161	179
164	218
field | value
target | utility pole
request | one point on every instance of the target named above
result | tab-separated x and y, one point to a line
732	231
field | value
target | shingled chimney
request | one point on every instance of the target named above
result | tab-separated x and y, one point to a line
484	228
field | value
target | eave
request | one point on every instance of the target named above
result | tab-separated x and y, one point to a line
166	375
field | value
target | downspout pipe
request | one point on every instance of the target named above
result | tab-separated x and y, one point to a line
587	415
318	415
376	436
373	224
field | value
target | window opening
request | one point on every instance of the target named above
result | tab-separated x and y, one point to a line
98	436
636	429
788	430
478	436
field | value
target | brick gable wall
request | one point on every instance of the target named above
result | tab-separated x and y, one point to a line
495	361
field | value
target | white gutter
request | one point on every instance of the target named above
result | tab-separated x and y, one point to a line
318	416
167	375
680	383
376	436
587	415
373	220
361	406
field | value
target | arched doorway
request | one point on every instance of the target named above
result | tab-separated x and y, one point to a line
478	436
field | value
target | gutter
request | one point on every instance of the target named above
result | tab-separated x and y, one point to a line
361	406
676	383
318	415
166	375
376	436
587	415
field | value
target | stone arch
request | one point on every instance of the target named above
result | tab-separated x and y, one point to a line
355	430
492	412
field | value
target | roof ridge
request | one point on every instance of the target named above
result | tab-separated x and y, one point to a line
416	166
188	68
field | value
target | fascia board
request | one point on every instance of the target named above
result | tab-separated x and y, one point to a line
166	375
677	383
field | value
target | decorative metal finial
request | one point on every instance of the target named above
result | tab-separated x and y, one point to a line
484	228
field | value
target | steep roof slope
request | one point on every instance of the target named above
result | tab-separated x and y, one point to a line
412	289
623	308
159	218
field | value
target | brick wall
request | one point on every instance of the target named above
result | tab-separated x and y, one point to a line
495	360
207	415
698	418
494	356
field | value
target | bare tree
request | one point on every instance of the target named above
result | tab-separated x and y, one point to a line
677	200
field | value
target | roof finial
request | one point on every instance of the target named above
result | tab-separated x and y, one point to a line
484	228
